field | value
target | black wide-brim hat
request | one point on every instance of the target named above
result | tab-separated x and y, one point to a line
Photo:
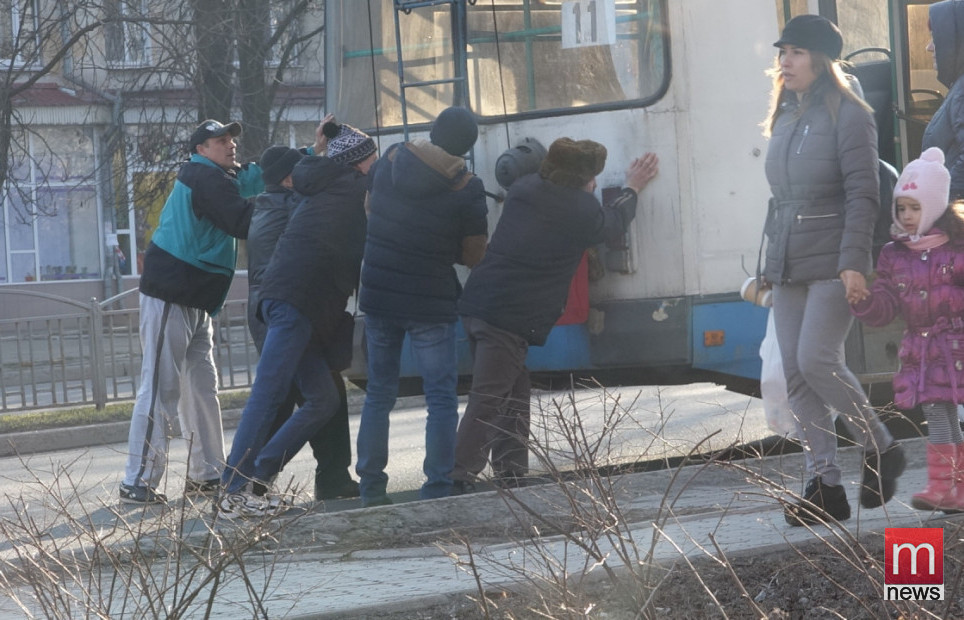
814	33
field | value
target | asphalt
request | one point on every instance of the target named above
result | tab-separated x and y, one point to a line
337	560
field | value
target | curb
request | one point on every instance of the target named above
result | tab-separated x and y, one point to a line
70	437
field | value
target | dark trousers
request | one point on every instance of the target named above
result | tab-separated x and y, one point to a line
331	446
495	427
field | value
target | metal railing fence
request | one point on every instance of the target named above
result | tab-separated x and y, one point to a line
91	354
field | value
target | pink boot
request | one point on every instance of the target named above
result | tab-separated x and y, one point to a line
943	487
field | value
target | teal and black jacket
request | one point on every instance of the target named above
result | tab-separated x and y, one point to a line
190	260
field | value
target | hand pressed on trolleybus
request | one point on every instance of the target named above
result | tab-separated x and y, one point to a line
641	171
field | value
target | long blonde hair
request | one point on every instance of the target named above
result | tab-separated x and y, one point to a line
831	86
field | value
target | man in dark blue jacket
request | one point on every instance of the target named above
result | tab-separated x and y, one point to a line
188	268
427	212
518	292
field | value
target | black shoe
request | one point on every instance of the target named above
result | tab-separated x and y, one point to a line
511	481
378	500
881	471
208	488
821	503
347	489
140	495
462	487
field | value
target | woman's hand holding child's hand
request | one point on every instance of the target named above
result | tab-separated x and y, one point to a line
855	285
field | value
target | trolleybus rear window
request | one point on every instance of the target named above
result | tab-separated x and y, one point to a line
501	57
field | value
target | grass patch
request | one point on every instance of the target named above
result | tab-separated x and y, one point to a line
82	416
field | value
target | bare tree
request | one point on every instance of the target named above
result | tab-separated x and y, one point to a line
144	72
214	38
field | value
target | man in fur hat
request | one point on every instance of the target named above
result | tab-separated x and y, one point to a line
518	292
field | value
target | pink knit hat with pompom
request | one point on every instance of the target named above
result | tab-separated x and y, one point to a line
927	181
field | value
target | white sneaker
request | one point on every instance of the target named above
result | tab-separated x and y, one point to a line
277	502
244	505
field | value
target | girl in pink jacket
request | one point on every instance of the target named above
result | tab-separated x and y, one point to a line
920	277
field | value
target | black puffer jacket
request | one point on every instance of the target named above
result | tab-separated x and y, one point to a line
316	263
423	204
825	185
522	283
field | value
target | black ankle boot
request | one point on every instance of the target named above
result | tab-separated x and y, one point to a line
881	470
821	503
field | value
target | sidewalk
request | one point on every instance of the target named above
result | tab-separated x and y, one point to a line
336	560
336	564
717	501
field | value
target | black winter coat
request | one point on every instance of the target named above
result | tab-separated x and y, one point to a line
272	208
316	264
946	127
522	283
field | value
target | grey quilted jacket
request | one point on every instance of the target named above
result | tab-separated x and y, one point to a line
825	186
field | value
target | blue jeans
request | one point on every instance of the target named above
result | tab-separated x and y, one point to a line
289	354
434	348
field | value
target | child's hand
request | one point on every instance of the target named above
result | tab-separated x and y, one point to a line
855	285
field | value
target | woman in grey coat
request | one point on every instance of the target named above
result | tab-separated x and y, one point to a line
823	173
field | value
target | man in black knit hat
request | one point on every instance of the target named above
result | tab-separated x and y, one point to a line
427	212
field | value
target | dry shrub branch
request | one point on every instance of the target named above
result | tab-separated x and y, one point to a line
585	555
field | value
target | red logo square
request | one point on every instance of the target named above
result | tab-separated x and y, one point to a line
913	556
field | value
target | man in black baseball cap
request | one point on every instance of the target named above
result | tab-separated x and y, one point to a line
188	268
212	129
812	32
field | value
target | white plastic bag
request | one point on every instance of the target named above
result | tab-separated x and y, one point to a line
773	385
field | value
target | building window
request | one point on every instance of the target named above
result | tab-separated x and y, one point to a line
18	33
126	41
288	39
281	36
49	217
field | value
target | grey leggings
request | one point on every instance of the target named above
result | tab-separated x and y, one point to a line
812	320
942	423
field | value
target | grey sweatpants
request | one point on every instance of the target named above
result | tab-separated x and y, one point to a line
812	320
178	378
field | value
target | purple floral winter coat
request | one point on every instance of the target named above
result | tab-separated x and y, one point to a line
927	290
